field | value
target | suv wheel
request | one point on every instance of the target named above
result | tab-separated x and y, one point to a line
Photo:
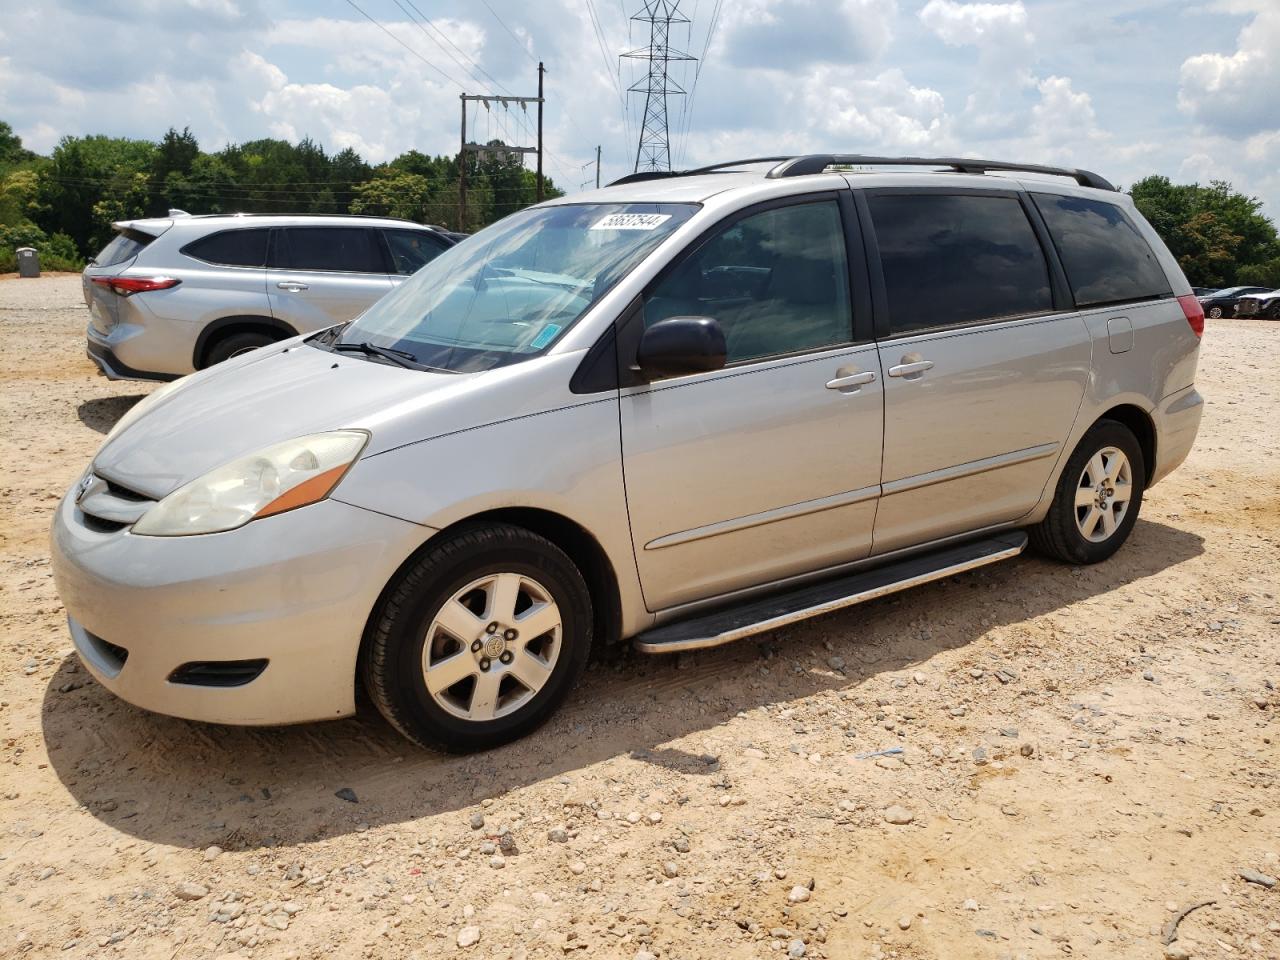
479	640
236	344
1097	499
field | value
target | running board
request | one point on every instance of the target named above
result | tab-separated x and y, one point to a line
757	616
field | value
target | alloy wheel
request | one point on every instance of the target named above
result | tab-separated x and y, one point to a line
492	646
1103	494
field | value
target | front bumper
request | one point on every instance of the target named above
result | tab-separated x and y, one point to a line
294	589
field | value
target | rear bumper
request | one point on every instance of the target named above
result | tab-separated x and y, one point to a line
113	367
143	346
294	590
1177	420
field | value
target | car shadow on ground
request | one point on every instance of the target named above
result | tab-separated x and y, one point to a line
101	414
189	784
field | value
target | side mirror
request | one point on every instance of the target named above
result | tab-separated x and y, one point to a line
681	345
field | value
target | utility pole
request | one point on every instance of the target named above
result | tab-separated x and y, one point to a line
541	71
597	166
653	152
462	171
467	147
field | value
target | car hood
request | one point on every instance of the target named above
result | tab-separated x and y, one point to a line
243	405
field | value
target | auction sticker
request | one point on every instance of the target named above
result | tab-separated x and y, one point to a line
631	221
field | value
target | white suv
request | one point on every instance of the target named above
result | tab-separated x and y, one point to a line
171	295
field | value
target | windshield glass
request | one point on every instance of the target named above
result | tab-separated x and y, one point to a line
510	291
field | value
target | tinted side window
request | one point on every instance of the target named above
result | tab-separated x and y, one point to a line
958	259
411	250
233	248
1105	256
349	249
777	281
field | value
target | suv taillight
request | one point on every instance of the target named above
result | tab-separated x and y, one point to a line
126	286
1194	313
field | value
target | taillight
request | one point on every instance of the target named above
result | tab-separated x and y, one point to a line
1194	312
126	286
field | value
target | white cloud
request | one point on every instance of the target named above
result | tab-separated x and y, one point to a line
786	34
886	110
989	25
1238	93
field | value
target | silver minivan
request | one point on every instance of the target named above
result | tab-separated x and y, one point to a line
678	411
170	295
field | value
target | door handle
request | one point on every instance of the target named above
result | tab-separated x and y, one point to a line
291	285
851	380
910	369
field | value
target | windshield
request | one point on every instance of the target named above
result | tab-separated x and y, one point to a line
510	291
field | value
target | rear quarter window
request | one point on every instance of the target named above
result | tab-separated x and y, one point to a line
125	245
232	248
1106	259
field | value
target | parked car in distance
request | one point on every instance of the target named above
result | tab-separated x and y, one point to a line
1222	303
1203	292
170	295
678	411
1259	306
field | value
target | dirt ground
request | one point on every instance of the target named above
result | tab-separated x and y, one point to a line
1086	752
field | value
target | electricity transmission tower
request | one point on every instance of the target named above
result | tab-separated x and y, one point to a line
654	149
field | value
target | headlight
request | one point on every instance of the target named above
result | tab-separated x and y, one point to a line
287	475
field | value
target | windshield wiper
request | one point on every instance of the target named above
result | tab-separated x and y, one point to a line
402	358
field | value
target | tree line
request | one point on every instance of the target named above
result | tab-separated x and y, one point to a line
64	204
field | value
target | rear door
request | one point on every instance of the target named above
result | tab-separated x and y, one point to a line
321	275
985	361
769	467
229	273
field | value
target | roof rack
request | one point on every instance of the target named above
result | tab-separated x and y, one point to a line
818	162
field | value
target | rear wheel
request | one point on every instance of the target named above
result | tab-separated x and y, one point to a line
236	344
479	640
1097	499
1215	313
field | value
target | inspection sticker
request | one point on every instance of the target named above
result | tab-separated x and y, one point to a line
631	221
545	336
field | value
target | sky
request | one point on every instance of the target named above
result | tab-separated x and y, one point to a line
1126	88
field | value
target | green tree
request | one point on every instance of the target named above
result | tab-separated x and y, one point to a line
1218	234
394	194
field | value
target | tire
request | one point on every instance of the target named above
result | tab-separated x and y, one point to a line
1061	534
1215	313
438	614
237	343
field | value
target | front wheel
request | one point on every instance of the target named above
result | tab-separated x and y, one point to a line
1097	499
479	640
1215	313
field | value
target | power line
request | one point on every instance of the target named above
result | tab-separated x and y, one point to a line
693	92
384	29
510	32
446	39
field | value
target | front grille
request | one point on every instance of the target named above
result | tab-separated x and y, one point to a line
218	673
99	525
124	493
108	506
